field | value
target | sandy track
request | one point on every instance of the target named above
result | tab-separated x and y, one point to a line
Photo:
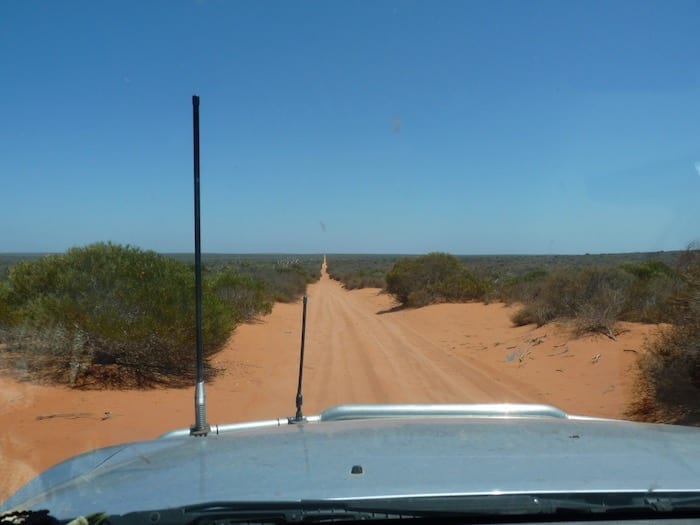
367	355
359	348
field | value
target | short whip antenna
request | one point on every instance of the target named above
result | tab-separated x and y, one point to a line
300	398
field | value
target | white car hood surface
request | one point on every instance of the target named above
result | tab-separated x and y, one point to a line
397	456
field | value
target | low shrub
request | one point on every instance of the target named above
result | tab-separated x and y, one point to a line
521	288
6	313
668	389
649	296
360	271
361	279
595	297
288	283
668	384
245	296
284	283
432	278
591	297
111	308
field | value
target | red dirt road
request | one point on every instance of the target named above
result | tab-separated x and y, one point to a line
358	349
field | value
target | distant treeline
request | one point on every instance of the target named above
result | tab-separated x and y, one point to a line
360	271
369	270
111	315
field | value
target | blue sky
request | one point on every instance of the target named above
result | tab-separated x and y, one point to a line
400	127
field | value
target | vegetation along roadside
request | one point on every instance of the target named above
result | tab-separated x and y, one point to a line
107	315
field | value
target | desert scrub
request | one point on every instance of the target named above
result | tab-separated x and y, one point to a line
6	313
360	271
521	288
649	299
357	279
115	314
593	298
668	383
432	278
283	280
246	296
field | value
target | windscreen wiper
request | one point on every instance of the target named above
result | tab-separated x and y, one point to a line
327	511
580	505
256	512
484	508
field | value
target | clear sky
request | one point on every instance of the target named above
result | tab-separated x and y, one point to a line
351	126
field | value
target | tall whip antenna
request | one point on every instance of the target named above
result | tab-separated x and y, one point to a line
300	398
200	427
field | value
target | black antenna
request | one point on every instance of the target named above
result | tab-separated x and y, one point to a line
300	398
200	427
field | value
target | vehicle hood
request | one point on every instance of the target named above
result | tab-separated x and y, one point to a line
396	457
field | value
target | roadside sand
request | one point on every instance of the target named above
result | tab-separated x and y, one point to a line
359	348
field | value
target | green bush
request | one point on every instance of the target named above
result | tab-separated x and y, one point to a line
433	278
518	288
360	271
118	314
282	281
649	296
592	297
285	278
595	297
6	313
288	283
668	385
361	279
668	389
245	296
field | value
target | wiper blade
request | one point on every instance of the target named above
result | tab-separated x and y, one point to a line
259	512
490	506
639	503
580	504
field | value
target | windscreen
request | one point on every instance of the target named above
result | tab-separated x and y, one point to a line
483	202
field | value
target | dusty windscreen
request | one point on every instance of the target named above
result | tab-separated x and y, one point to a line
484	203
